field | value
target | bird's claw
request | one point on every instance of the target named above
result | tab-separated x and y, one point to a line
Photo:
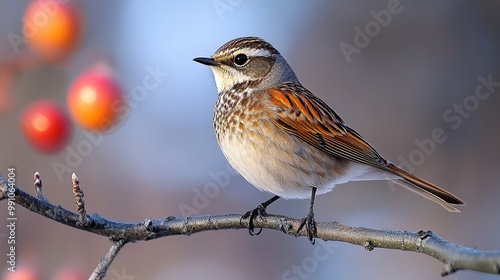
259	211
310	225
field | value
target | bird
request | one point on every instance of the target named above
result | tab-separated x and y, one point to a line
285	140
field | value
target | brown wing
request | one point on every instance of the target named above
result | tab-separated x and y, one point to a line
302	114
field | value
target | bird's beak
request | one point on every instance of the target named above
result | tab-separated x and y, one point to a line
207	61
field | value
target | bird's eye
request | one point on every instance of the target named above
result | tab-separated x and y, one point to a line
240	59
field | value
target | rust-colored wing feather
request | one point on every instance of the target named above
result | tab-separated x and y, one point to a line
309	118
302	114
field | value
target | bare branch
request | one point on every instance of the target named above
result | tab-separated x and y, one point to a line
455	257
100	271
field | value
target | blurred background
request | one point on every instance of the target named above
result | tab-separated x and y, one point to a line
395	71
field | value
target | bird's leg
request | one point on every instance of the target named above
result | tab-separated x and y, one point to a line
259	211
309	221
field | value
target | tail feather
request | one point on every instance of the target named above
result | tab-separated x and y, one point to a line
426	189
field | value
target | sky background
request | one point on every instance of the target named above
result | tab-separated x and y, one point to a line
395	90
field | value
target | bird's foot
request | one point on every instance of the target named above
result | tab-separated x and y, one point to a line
259	211
310	225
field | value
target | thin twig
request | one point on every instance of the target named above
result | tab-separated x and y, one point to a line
455	257
80	203
38	186
100	271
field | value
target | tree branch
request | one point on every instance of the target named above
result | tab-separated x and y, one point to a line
455	257
100	271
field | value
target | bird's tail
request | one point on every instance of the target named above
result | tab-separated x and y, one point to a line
426	189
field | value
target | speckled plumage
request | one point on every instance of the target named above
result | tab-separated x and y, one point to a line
285	140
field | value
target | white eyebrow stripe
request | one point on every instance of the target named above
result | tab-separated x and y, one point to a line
255	52
248	51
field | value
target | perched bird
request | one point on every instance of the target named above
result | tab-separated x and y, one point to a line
285	140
